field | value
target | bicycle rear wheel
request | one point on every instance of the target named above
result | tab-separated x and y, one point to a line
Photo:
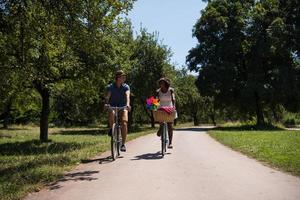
113	142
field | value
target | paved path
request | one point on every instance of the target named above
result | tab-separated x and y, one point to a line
198	168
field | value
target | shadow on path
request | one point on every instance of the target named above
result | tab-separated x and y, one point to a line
105	160
195	129
36	147
149	156
83	132
77	176
232	128
15	128
267	127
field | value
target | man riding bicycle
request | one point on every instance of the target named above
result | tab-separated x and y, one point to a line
118	95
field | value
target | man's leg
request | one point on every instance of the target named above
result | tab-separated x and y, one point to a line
111	119
124	131
124	121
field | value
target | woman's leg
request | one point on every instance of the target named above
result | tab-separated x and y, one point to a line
160	129
170	132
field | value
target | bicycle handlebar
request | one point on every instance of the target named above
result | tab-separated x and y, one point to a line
116	108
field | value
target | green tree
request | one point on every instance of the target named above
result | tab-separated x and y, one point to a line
151	58
53	41
245	55
114	53
274	75
10	81
188	99
220	55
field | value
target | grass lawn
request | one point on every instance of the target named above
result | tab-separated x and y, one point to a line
26	165
277	148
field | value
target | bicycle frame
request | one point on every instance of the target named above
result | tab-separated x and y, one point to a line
116	132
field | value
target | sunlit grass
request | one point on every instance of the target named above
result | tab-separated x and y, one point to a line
278	148
26	164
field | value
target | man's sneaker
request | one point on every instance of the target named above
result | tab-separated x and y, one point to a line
110	132
170	146
123	148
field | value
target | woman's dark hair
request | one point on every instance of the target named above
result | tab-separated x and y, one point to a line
165	80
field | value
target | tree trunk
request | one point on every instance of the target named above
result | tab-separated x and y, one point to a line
275	114
196	120
6	114
45	94
212	114
44	116
147	113
259	114
5	123
212	117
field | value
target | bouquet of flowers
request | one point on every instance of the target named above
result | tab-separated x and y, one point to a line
152	103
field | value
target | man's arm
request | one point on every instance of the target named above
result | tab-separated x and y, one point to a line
128	99
108	95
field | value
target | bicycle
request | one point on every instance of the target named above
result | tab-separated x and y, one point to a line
164	139
163	118
115	141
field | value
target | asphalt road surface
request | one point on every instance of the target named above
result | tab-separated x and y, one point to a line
197	168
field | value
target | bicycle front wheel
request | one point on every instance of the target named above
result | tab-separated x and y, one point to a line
163	139
119	140
114	142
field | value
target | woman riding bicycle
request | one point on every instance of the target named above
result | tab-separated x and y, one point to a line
167	99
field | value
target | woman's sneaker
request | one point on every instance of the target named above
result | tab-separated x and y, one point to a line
123	148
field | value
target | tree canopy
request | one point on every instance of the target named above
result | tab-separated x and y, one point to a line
247	55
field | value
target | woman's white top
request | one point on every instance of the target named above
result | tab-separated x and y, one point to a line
166	98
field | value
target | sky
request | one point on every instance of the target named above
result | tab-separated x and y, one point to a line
173	20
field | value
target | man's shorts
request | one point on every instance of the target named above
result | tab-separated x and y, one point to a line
123	115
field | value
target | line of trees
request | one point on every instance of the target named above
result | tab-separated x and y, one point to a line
248	56
57	58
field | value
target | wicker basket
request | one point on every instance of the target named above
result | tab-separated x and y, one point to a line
162	116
